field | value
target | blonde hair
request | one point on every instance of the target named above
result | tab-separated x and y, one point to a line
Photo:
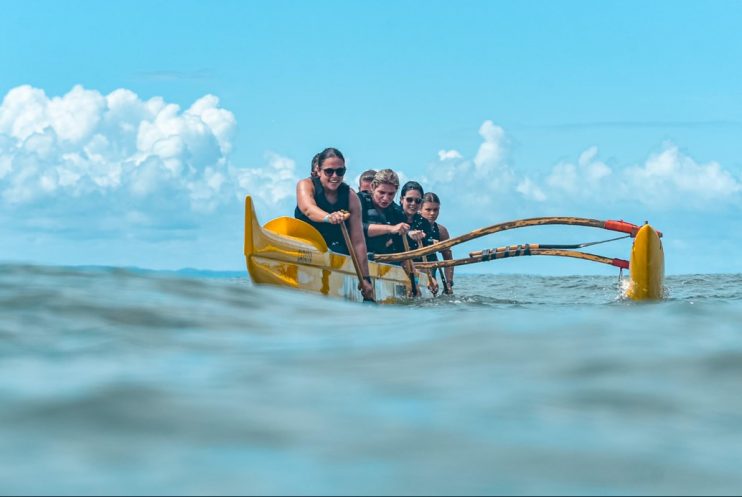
385	176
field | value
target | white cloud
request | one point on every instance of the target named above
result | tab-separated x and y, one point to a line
490	154
449	154
671	177
667	179
94	165
530	190
584	179
84	143
273	185
483	176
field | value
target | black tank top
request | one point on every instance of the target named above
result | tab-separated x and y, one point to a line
370	214
330	232
420	223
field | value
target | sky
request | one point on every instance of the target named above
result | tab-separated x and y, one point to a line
131	131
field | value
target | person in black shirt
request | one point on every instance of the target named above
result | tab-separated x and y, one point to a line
383	220
421	231
364	182
430	210
320	202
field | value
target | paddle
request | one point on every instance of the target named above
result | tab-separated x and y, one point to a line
446	288
353	255
620	226
444	280
409	269
522	250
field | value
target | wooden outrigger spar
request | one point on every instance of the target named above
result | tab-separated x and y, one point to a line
290	253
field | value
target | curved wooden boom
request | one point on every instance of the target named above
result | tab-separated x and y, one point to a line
620	226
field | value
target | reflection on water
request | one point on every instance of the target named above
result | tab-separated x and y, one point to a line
120	381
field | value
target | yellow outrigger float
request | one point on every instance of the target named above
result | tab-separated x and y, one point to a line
647	266
291	253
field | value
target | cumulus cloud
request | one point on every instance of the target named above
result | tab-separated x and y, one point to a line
667	179
120	147
490	153
670	176
584	179
449	154
487	173
274	184
530	190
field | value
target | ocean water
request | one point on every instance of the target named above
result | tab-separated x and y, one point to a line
117	381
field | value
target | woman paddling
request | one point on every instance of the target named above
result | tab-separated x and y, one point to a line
323	201
383	220
421	231
431	208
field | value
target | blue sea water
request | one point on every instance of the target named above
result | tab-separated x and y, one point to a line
120	381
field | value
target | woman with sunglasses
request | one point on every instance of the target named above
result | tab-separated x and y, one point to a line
431	208
421	231
383	220
321	201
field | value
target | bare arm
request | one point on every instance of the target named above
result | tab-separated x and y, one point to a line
308	206
447	254
387	229
358	240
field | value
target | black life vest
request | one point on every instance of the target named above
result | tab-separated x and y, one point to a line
420	223
370	214
435	236
330	232
436	232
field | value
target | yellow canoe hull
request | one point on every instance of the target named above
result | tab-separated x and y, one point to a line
647	266
290	253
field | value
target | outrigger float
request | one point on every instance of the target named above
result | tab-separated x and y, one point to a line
290	253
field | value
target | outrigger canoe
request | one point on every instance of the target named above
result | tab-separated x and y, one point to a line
290	253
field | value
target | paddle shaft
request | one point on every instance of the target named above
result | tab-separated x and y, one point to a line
353	257
409	268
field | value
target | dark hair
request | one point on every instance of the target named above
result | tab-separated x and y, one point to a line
431	197
328	153
368	175
411	185
315	166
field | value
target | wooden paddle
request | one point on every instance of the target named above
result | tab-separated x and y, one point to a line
444	280
409	268
353	255
620	226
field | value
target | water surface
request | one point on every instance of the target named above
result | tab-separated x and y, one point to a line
120	381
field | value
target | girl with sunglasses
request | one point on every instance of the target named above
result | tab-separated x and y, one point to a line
320	200
421	231
431	207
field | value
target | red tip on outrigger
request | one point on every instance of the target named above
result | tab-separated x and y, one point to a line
624	227
621	263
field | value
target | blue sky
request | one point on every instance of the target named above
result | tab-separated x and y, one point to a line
131	131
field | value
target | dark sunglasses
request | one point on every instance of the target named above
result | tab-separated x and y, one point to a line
413	199
330	171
